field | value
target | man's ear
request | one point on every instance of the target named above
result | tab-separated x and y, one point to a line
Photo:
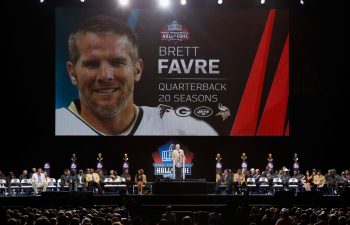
138	69
71	72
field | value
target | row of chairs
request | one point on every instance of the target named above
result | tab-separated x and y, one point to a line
263	186
25	185
277	183
292	183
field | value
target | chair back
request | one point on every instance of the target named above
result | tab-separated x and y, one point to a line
2	183
250	180
277	180
26	181
108	180
51	181
293	180
263	180
15	182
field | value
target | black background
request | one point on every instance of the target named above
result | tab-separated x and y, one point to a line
318	99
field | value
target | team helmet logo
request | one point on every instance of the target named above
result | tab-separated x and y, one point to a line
203	111
174	32
183	111
163	109
224	112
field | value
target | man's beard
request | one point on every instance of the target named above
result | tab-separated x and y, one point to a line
108	112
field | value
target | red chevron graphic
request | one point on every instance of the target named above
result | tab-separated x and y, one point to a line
273	118
247	114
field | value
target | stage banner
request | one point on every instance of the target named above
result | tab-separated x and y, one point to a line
212	71
163	163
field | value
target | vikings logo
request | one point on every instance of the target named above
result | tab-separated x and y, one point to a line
163	109
224	112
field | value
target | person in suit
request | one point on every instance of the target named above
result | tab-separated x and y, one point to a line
65	179
178	158
93	181
222	182
82	180
38	180
127	178
24	175
73	181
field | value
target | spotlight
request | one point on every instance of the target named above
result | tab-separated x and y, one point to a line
183	2
41	1
262	2
164	3
82	0
123	2
219	2
301	2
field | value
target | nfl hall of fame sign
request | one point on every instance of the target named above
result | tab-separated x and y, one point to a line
163	163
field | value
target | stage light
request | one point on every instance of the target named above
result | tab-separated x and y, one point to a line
41	1
183	2
123	2
164	3
219	2
262	2
82	0
301	2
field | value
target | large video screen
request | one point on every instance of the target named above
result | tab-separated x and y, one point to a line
187	72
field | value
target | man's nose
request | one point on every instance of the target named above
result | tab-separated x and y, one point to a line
106	72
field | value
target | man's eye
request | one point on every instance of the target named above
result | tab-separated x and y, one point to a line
117	62
91	64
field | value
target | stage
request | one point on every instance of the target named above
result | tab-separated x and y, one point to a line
86	199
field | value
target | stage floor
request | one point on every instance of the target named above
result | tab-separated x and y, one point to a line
279	199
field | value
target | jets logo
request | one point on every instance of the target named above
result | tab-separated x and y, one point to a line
203	111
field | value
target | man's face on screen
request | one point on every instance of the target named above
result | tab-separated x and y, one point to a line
105	73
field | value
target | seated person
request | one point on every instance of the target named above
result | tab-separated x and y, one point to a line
73	181
102	177
297	175
332	181
93	181
306	180
39	181
140	180
65	179
223	181
127	179
343	182
81	180
238	181
24	175
319	181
